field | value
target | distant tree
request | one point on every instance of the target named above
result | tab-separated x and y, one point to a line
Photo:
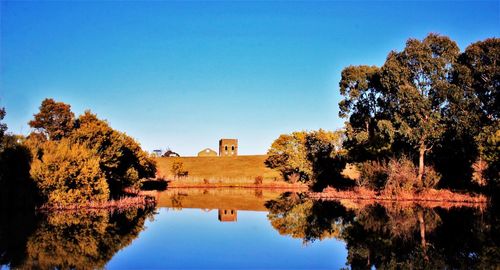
178	170
315	158
55	119
288	155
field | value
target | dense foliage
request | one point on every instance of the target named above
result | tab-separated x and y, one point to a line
68	173
109	154
315	158
121	158
428	101
69	161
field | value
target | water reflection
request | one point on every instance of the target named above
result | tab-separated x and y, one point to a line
227	215
206	225
227	202
218	198
395	236
67	240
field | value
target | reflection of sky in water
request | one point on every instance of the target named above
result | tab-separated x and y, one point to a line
192	238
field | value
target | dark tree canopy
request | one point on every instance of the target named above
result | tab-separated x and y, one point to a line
3	126
480	74
427	101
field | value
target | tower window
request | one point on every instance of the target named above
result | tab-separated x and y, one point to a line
232	147
225	147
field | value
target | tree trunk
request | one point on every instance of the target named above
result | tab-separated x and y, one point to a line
421	163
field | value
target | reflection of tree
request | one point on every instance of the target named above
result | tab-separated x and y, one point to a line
177	200
389	237
295	215
417	237
393	236
15	229
77	239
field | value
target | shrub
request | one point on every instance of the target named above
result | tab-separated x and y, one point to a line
401	175
489	150
68	173
258	180
373	175
395	176
431	177
178	169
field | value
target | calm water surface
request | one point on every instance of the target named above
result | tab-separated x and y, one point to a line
245	228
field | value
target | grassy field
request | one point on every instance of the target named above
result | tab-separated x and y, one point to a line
227	171
235	171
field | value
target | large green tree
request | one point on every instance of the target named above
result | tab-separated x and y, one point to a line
369	134
401	106
416	83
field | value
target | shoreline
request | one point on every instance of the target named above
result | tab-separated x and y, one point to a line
432	196
140	201
143	199
248	186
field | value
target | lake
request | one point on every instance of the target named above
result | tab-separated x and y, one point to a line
254	228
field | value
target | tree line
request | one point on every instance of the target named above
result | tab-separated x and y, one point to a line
69	160
428	117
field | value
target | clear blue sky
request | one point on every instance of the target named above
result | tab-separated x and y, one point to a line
184	74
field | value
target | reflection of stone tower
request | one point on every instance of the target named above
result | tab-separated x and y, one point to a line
227	215
228	147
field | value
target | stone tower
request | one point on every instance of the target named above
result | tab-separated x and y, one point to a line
228	147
